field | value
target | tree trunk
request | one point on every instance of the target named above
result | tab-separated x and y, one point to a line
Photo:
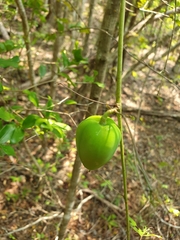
90	18
103	48
56	49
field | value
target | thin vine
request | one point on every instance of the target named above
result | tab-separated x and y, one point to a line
119	104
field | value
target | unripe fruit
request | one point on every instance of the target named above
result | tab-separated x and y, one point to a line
97	142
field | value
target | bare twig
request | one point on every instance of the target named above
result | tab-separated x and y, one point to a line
166	14
8	170
55	215
113	207
32	157
152	69
83	202
169	224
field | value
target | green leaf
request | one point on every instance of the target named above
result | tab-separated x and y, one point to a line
59	128
9	45
76	25
29	121
101	85
49	106
42	70
60	26
17	135
36	5
2	48
17	108
53	169
6	133
6	149
61	125
65	59
89	79
85	30
58	132
5	115
70	102
32	96
65	75
77	55
132	222
11	62
1	87
56	116
43	123
1	124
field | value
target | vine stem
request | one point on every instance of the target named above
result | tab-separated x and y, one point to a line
119	104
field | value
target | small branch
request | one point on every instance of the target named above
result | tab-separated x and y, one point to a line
56	215
27	39
169	224
32	157
153	70
166	14
157	113
113	207
83	202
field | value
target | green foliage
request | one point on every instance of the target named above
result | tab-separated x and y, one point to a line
6	150
111	220
145	232
70	102
6	115
60	26
32	96
141	3
10	133
42	70
12	237
40	236
58	128
108	184
11	62
13	128
12	196
7	46
92	78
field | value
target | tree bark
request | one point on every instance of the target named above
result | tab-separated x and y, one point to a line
27	39
90	18
103	48
56	49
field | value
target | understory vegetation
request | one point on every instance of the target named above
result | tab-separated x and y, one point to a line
59	64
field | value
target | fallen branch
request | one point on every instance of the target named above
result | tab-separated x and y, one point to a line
55	215
110	205
157	113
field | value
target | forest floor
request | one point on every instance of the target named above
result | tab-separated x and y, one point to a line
33	201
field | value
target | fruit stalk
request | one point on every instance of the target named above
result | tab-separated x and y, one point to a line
107	114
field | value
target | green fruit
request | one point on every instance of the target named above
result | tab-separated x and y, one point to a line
97	143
